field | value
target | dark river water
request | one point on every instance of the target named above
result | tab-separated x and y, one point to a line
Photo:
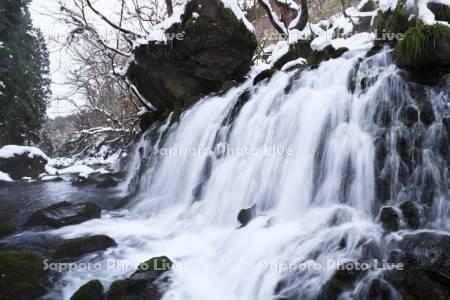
18	201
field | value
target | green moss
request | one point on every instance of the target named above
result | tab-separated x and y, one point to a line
159	265
93	290
418	41
21	275
120	289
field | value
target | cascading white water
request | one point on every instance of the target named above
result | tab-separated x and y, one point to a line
310	174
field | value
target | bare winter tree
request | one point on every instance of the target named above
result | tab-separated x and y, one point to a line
291	16
102	52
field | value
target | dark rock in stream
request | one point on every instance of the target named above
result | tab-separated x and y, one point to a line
22	275
426	260
75	248
246	215
25	165
92	290
64	214
411	213
389	219
108	182
145	283
40	242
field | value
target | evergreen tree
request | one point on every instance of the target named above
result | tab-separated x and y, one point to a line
24	75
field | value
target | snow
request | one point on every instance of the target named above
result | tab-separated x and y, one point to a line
281	48
12	150
158	32
386	5
142	111
423	12
299	61
5	177
82	169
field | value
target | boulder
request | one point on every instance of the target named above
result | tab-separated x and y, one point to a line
266	74
22	274
64	214
389	219
108	182
246	215
441	11
92	290
19	162
425	53
426	260
411	213
143	284
75	248
216	47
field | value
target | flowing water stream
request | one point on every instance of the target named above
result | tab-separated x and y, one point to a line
304	151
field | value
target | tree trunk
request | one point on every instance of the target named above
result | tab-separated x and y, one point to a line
169	7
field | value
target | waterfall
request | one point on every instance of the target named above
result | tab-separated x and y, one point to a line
307	150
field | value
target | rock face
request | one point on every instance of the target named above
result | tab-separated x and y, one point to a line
426	261
78	247
21	275
216	47
19	162
63	214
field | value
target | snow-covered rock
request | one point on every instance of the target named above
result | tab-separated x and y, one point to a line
20	161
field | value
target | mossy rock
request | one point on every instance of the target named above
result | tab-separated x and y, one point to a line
425	53
92	290
6	230
157	266
141	285
329	52
263	75
393	22
22	273
64	214
301	48
123	202
389	219
75	248
441	11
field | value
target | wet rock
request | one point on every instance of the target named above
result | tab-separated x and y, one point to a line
92	290
22	275
246	215
123	202
75	248
23	165
6	230
215	47
381	152
342	280
427	114
143	284
389	219
83	180
410	115
108	182
426	260
382	189
379	289
64	214
411	213
327	53
263	75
